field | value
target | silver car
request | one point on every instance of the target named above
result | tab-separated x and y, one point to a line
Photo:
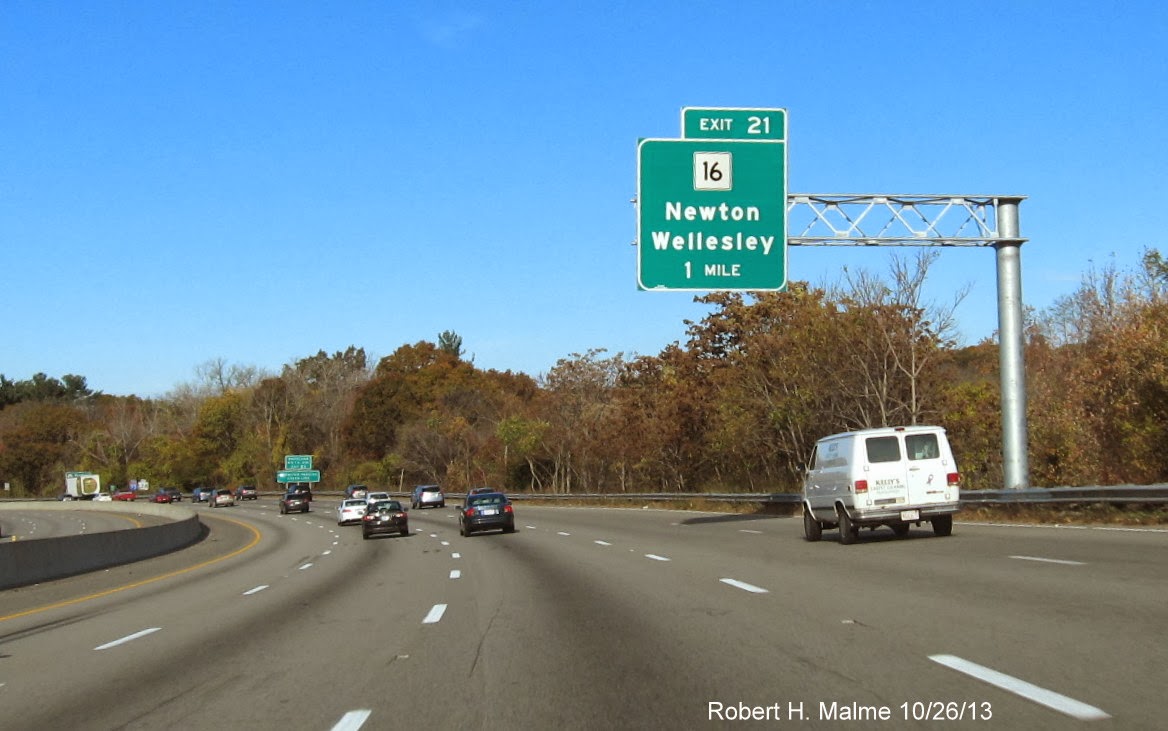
351	511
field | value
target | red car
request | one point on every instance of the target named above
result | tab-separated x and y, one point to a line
127	495
161	497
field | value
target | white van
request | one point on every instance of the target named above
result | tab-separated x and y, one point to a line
893	476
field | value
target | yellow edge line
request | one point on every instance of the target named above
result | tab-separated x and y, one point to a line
69	602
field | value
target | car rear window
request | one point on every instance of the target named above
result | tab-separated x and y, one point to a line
487	500
431	489
388	506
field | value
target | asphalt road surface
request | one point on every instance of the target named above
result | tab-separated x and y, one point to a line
597	619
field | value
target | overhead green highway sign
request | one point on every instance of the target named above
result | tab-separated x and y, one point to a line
711	215
298	476
298	461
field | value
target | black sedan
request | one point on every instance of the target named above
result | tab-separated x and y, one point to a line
486	511
294	501
385	516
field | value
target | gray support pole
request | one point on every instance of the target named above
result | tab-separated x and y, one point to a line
1015	458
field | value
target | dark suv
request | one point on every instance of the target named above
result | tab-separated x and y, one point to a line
246	492
295	501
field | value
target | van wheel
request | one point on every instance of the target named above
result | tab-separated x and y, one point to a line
900	529
812	530
848	532
943	525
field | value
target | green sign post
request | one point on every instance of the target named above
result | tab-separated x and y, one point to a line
711	214
284	476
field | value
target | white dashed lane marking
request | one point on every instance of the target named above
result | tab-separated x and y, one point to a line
655	557
1042	696
128	638
352	720
744	586
435	614
1049	560
256	590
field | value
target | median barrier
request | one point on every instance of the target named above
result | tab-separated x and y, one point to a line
24	562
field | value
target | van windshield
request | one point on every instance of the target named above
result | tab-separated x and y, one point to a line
883	449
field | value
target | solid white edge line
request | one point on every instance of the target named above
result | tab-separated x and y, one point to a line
1042	696
655	557
352	720
256	590
455	574
435	614
1049	560
128	638
745	586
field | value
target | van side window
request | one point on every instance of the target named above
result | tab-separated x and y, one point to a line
883	449
813	463
922	446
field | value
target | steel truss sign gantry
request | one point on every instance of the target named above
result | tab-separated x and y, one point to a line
844	219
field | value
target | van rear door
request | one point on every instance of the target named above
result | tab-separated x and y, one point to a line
884	470
927	468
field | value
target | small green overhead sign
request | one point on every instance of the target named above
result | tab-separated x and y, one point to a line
298	476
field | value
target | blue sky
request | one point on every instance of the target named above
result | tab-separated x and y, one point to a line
256	181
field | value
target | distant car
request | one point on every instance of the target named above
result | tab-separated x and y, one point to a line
428	495
222	499
351	511
246	492
294	501
377	497
126	495
161	497
385	516
176	495
202	494
486	511
304	488
356	491
101	497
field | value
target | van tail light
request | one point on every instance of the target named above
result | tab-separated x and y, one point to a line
953	478
861	486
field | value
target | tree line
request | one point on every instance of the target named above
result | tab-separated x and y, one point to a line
735	406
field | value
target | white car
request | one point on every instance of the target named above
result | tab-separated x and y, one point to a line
376	497
351	511
102	497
